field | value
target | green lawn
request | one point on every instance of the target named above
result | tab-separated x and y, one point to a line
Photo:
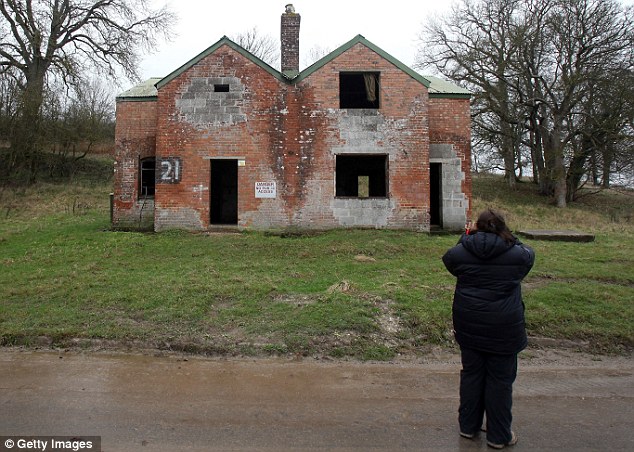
66	279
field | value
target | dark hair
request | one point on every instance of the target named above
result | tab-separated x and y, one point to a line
491	221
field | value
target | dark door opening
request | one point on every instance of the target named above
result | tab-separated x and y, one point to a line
435	194
224	192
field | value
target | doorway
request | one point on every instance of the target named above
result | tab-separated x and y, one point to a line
224	191
435	194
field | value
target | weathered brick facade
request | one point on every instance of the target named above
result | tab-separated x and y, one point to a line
239	143
450	146
135	140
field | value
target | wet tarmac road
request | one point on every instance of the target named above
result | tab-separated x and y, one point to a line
169	403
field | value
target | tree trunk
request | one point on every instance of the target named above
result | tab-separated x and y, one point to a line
520	166
594	168
26	133
560	182
577	168
537	153
509	169
547	179
508	154
555	171
607	167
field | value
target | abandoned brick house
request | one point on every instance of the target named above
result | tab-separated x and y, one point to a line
358	139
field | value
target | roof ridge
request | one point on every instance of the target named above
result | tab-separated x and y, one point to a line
437	87
211	49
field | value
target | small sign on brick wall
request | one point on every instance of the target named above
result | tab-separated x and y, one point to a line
265	190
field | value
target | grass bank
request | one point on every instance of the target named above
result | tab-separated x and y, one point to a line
67	280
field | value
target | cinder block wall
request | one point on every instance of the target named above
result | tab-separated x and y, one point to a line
135	139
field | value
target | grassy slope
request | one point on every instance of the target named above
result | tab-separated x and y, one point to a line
66	279
575	291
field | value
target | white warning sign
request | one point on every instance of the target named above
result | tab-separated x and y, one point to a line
265	190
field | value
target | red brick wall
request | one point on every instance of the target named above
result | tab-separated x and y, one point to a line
290	134
398	129
135	139
256	136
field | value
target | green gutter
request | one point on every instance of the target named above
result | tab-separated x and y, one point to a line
136	99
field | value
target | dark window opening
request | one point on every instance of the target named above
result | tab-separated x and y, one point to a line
221	88
359	90
147	177
361	176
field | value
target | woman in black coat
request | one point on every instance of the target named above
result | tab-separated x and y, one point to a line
489	325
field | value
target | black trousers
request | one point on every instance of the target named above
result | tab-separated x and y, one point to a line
486	386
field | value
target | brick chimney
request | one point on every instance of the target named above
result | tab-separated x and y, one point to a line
289	37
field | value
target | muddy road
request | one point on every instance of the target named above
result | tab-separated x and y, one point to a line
563	401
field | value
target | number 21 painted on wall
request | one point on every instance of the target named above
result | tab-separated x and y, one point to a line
170	170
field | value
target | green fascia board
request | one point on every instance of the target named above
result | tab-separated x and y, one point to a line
449	96
223	41
136	99
359	39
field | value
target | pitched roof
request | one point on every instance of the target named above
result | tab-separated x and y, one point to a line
142	92
437	87
443	88
223	41
358	39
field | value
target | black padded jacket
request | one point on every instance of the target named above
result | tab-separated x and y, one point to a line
488	310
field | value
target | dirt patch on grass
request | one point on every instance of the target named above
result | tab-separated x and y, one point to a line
537	282
342	286
298	300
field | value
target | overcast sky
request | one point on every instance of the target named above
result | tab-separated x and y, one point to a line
392	25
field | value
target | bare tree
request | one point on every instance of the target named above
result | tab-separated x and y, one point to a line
315	54
45	40
8	108
262	46
533	65
588	38
76	122
602	135
475	45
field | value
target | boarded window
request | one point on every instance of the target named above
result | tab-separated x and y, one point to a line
147	178
361	176
359	90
